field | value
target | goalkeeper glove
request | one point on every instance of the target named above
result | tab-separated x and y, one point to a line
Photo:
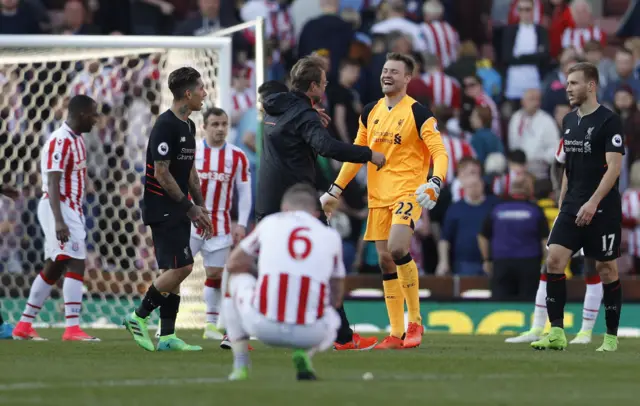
428	193
329	200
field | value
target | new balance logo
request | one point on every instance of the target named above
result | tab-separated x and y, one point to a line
183	139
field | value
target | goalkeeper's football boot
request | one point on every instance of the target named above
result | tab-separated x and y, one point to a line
357	343
137	326
583	337
239	374
610	344
211	332
24	331
6	331
173	343
75	333
527	337
555	340
390	343
413	338
302	363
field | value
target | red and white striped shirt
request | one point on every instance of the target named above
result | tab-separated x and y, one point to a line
443	89
538	12
442	40
630	216
577	37
219	169
457	149
457	191
241	101
502	184
297	257
64	151
104	86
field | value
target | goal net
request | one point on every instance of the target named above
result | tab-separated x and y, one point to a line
127	76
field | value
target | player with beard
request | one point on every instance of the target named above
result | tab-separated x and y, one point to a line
171	176
590	205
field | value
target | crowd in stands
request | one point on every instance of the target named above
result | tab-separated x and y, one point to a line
492	72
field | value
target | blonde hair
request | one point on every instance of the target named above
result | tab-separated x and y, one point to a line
468	48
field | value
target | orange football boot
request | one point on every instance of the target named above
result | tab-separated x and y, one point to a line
413	337
390	343
357	343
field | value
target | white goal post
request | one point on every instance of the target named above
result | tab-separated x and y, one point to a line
127	76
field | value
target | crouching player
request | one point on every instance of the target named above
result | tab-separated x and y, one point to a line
300	283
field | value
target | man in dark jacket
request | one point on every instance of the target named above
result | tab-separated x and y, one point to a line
294	135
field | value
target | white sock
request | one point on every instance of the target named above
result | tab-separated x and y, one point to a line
540	311
40	291
592	301
212	296
240	350
72	293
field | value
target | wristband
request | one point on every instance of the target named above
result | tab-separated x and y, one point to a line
186	204
335	190
436	180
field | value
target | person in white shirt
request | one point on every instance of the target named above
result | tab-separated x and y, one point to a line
535	132
396	21
300	283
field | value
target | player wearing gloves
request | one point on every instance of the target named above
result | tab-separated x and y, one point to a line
407	133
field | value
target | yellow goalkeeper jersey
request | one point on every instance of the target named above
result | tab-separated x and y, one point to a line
408	136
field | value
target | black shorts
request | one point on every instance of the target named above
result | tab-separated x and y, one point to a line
600	239
171	243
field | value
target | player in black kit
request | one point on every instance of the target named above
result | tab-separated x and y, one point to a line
170	177
590	205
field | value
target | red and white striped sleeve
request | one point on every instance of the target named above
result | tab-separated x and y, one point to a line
561	156
243	184
56	153
251	243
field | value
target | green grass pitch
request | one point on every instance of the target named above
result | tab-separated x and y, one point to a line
445	370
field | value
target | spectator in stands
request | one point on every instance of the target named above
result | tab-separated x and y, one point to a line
462	223
17	17
633	44
328	31
525	53
535	132
345	106
561	19
502	185
625	66
584	29
625	105
471	21
484	141
442	89
594	53
440	37
155	17
396	21
513	243
75	20
554	91
466	63
475	96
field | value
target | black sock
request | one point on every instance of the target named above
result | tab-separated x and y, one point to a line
169	314
612	299
345	334
556	298
152	300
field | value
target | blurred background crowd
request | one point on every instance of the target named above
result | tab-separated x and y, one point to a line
492	71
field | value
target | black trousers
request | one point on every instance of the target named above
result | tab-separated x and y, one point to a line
515	279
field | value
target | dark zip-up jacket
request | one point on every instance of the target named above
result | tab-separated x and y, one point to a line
293	137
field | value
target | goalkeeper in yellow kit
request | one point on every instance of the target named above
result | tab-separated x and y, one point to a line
407	134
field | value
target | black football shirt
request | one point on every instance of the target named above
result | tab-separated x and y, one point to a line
172	139
586	141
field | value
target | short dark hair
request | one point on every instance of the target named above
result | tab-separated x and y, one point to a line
306	71
468	160
589	70
272	87
301	195
213	111
80	104
542	189
485	114
409	62
592	46
517	156
181	80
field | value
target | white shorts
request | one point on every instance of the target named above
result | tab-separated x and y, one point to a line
254	323
76	246
214	251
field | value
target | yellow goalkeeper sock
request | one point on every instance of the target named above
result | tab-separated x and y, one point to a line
409	282
395	303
